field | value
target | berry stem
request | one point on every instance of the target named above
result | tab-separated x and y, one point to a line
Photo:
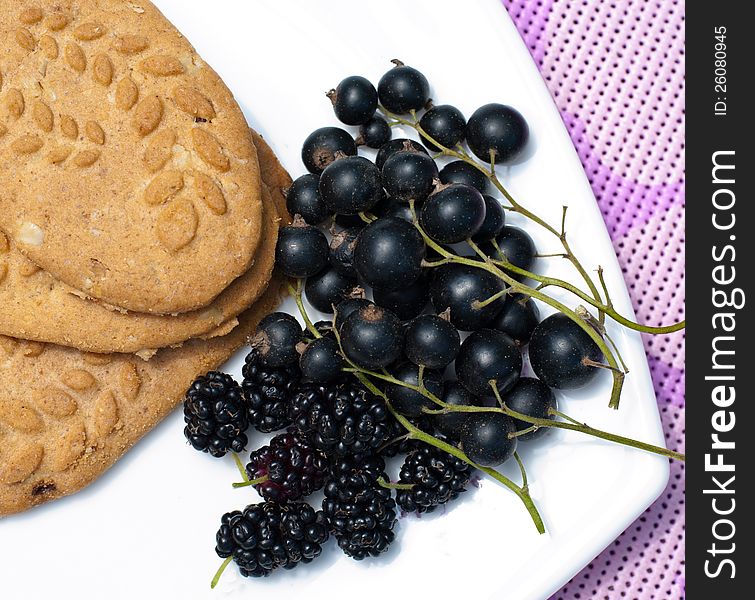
296	293
394	486
522	470
248	482
219	572
586	429
240	467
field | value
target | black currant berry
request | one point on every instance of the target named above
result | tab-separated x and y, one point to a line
533	398
390	148
303	198
445	124
348	306
460	172
321	361
276	339
320	148
403	89
354	101
453	214
389	254
410	402
372	337
499	129
409	175
488	355
374	133
342	246
450	424
431	341
518	318
460	288
562	354
396	208
495	219
326	289
301	251
516	247
485	438
351	185
406	302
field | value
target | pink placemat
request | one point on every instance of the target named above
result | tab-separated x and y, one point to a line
616	72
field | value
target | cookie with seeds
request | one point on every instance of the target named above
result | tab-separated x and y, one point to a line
127	168
67	416
38	307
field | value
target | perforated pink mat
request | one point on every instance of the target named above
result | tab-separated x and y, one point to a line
616	71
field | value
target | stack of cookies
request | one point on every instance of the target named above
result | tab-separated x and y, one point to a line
138	221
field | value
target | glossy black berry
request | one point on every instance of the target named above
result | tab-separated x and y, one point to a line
321	146
497	128
450	424
516	246
445	124
533	398
293	468
215	415
372	337
410	402
390	148
495	219
436	477
303	198
374	132
459	171
268	536
268	392
326	289
301	251
459	288
488	355
361	513
561	353
351	185
389	254
485	438
518	318
354	101
341	254
342	419
321	361
409	175
431	341
406	302
453	214
403	89
276	339
396	208
348	306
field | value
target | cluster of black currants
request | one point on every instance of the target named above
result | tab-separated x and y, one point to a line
386	219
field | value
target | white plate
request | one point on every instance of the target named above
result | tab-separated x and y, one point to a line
146	529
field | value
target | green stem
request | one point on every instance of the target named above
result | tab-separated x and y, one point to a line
248	482
297	293
394	486
219	572
586	429
240	467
